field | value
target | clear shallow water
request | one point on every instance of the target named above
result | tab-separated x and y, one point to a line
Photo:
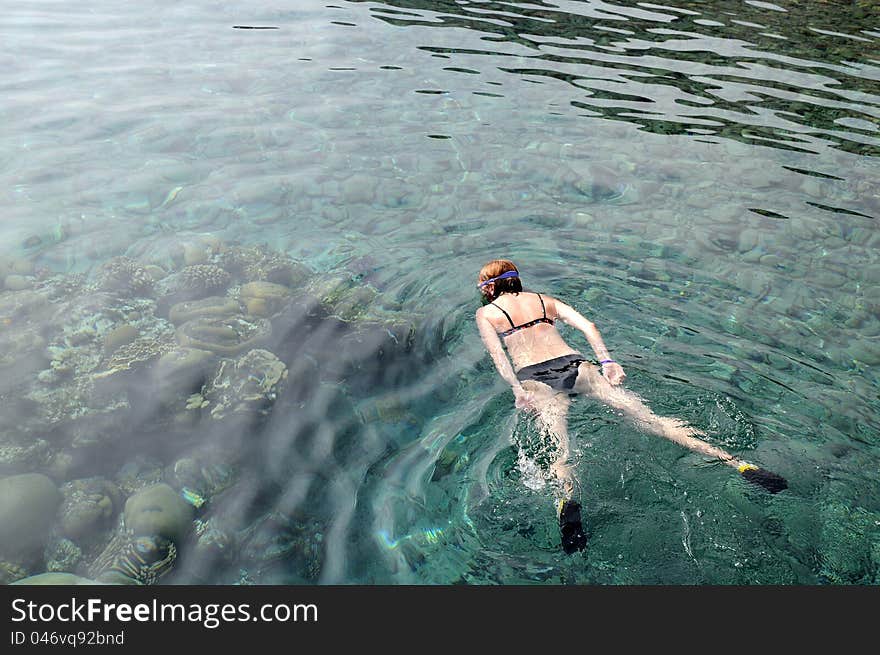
699	178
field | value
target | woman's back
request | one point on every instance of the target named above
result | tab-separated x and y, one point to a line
525	321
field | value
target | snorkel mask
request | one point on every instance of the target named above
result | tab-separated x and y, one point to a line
484	297
503	276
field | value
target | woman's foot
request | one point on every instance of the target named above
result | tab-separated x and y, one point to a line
770	481
573	537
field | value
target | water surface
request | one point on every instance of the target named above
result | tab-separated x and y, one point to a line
698	178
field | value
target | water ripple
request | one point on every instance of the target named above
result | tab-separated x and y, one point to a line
728	71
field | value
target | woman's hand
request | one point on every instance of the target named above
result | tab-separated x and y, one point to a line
613	372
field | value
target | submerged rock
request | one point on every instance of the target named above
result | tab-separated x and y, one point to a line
89	506
215	544
276	539
56	578
247	386
160	511
10	264
182	372
371	348
18	282
24	306
227	336
200	249
200	280
263	298
135	355
28	504
210	307
89	339
343	297
134	560
204	473
21	454
595	184
192	283
119	336
62	555
125	276
10	571
848	552
253	263
138	472
156	520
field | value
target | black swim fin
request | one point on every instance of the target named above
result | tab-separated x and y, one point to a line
770	481
573	537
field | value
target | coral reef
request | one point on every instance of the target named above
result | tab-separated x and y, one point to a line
227	336
135	355
246	386
124	276
259	263
28	503
23	454
210	307
171	350
144	548
194	282
62	555
89	507
180	373
263	298
158	510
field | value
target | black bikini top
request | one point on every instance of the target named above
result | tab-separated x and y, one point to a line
515	328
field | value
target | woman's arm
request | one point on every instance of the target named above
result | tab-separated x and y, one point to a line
612	371
496	350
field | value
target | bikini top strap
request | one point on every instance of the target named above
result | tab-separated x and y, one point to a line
506	314
542	304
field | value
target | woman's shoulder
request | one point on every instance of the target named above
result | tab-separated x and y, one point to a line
546	298
481	312
554	305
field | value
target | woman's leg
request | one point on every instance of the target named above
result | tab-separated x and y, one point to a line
591	383
551	412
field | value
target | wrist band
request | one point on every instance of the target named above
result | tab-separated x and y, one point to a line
607	361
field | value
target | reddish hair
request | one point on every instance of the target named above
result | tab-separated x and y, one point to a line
495	268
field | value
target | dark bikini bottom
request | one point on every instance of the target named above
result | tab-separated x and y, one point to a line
559	373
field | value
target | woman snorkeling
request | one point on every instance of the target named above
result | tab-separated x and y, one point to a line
546	372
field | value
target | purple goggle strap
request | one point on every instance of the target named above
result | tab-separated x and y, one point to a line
503	276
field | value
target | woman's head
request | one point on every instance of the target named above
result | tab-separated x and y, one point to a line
497	277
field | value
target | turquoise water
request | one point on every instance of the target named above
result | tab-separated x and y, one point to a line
698	178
